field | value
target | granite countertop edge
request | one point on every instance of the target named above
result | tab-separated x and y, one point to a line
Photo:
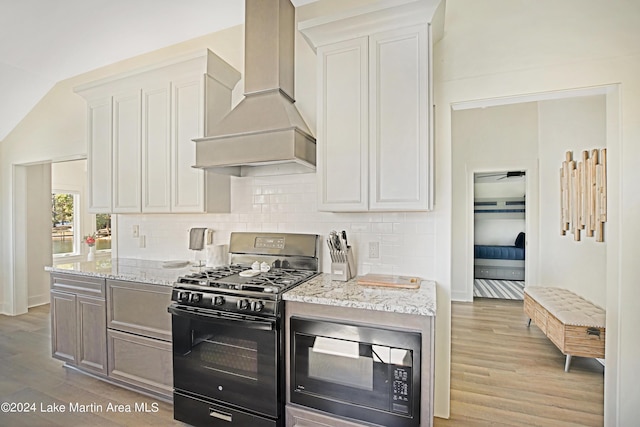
130	270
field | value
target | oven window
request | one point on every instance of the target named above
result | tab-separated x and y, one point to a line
229	355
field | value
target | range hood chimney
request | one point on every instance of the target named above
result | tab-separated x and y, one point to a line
265	128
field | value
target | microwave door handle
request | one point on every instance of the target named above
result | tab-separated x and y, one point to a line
257	324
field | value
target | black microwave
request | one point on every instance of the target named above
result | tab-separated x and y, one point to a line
356	371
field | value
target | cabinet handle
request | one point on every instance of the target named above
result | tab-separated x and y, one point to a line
594	332
220	415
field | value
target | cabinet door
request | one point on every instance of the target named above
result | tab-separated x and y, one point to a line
126	153
64	327
342	144
99	155
156	149
399	118
92	334
187	124
140	361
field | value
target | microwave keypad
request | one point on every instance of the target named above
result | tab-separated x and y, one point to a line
401	397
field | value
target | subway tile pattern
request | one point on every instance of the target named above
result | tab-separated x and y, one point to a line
287	203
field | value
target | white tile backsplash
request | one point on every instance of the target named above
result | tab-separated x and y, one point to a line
287	203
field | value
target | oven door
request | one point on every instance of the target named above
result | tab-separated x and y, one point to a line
227	357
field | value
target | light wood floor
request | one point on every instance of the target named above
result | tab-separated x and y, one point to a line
505	374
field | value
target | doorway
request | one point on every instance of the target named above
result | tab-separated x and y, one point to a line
499	217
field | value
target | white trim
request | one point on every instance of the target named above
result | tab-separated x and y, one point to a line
533	97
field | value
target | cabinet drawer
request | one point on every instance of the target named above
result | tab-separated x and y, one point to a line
139	308
143	362
302	417
78	284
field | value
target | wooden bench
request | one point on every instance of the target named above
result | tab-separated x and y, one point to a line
573	324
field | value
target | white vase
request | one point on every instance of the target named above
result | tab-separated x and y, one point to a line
92	253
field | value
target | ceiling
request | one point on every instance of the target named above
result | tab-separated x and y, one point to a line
46	41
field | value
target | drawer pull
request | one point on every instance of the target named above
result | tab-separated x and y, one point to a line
220	415
593	332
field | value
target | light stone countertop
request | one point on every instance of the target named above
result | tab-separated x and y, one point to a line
322	290
134	270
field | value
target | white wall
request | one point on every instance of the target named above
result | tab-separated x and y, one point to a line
36	228
496	49
486	140
499	229
575	125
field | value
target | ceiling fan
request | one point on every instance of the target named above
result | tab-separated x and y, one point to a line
501	175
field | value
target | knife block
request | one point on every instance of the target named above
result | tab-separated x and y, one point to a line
344	271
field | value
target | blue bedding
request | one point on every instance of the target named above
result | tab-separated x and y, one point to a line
498	252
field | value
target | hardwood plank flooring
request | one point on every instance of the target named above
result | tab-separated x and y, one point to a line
29	375
505	374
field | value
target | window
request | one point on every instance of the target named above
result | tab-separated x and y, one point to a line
65	230
103	232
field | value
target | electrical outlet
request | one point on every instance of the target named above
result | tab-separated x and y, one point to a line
135	231
374	250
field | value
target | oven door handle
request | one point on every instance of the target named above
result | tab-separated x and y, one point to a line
222	318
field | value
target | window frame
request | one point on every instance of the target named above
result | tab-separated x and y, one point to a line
77	224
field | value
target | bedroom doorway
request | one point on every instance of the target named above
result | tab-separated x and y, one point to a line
499	224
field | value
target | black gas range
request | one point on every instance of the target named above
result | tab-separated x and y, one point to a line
239	288
228	343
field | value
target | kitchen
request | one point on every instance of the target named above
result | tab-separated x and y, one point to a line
420	248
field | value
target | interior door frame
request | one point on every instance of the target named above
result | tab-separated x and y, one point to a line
531	261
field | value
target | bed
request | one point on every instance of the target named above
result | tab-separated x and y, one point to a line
500	262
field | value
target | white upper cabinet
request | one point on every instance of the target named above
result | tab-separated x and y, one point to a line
99	154
399	169
126	153
140	131
374	107
343	132
156	148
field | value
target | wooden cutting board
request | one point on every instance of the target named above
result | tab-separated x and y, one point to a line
389	281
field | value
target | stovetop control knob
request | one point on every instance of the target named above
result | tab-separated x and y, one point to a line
242	304
183	296
196	297
218	300
257	305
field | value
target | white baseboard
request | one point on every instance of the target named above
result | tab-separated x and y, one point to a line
461	296
37	300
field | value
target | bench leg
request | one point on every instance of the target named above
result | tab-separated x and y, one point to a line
529	324
567	363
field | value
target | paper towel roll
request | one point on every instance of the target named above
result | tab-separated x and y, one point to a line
217	255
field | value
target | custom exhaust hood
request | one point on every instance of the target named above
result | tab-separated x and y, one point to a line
265	128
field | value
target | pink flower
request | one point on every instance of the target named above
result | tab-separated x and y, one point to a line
90	239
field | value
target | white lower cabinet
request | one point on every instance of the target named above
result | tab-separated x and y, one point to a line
141	127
